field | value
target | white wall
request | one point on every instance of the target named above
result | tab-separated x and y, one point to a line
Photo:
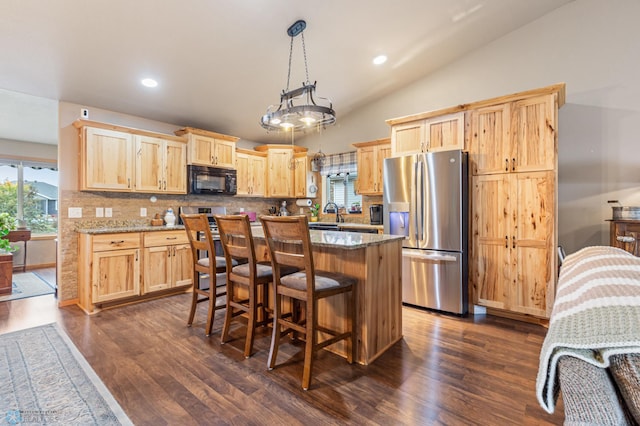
592	46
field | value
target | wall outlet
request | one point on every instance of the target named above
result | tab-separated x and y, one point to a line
99	212
143	212
108	212
84	114
74	212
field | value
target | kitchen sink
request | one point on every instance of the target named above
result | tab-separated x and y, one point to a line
324	226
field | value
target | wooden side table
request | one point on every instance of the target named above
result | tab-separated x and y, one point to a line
20	235
6	272
624	234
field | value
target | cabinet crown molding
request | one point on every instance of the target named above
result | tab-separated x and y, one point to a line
208	133
79	124
558	89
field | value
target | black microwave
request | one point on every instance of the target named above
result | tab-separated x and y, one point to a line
211	180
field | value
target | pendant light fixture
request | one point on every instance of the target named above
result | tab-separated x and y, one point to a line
298	110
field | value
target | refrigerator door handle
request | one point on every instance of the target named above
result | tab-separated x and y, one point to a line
414	202
420	200
431	256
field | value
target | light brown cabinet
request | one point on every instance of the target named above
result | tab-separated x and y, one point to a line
624	234
251	173
514	137
370	157
282	162
512	151
108	268
207	148
124	267
301	176
513	264
106	159
160	165
167	261
437	133
120	159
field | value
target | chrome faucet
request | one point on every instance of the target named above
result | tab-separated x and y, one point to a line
335	206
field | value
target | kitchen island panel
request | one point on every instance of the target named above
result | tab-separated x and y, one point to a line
378	316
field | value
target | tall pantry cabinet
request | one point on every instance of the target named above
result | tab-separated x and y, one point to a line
513	159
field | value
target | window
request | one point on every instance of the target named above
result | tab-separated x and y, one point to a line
342	191
341	171
29	192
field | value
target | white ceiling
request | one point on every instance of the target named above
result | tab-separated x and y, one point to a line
220	63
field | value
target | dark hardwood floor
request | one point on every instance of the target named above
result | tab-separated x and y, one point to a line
447	370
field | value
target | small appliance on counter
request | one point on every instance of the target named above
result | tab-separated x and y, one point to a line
375	214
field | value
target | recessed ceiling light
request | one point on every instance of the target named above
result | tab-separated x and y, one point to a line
149	82
380	59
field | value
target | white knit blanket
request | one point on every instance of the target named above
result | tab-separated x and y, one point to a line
596	314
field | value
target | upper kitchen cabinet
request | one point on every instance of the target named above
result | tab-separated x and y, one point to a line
301	175
282	162
207	148
106	159
427	133
518	136
371	157
122	159
160	165
251	175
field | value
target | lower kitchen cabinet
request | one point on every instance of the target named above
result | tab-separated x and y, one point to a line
108	268
166	261
513	256
123	267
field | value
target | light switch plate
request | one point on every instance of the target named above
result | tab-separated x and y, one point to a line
143	212
99	211
108	212
75	212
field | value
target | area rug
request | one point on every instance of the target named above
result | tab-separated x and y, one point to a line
27	284
45	380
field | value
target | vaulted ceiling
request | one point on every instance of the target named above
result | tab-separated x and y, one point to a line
220	63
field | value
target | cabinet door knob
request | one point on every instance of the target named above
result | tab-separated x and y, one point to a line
506	164
625	238
513	164
506	242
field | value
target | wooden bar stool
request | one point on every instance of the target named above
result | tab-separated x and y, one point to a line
201	240
289	245
245	273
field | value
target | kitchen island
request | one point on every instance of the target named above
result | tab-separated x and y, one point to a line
373	259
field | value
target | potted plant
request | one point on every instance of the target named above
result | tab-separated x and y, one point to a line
315	212
7	224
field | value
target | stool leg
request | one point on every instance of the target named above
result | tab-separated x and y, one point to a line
194	298
310	344
275	337
251	322
212	304
228	314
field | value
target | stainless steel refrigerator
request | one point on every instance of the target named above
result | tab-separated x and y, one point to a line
425	199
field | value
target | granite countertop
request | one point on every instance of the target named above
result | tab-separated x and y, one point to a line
337	239
342	239
128	228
